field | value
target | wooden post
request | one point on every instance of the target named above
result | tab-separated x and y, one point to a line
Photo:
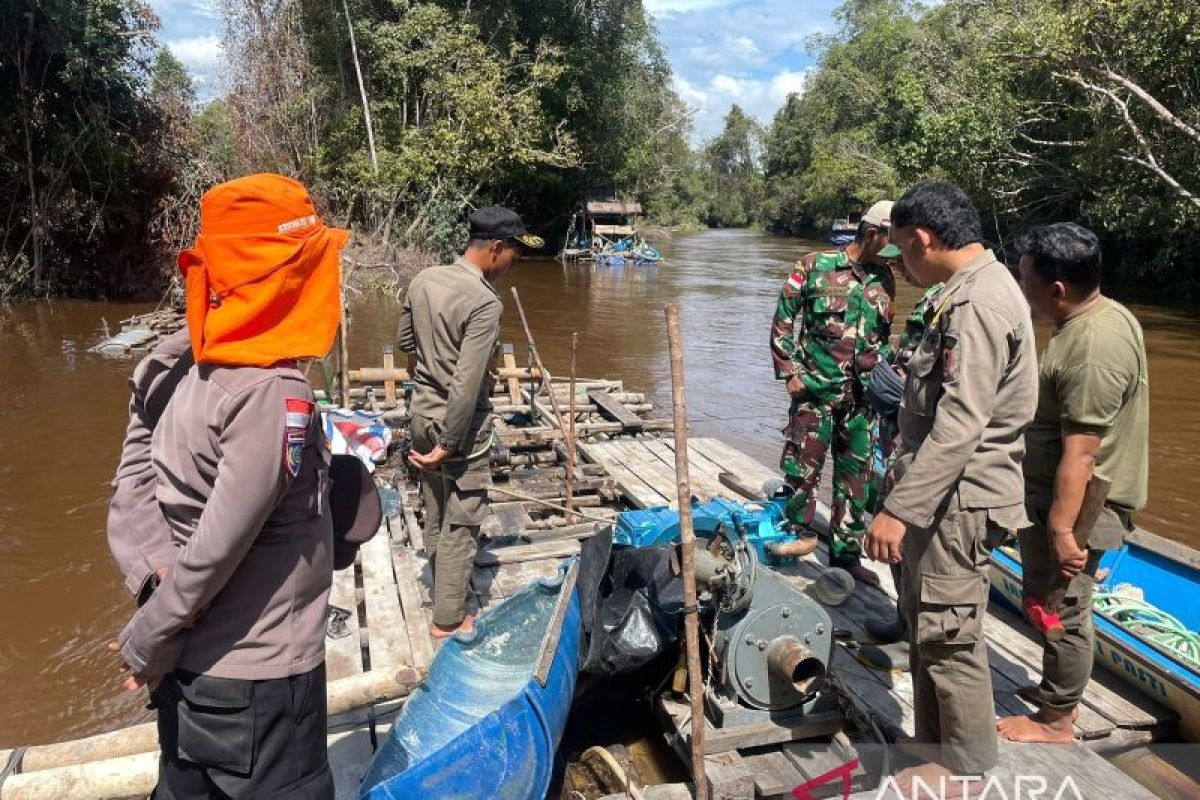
541	367
389	386
343	348
571	432
688	540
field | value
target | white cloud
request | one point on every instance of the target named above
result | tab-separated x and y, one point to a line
200	54
752	52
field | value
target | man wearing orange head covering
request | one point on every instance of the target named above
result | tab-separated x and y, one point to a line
232	639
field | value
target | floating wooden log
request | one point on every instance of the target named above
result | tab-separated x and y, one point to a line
345	694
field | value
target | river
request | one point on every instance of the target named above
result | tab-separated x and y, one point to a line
62	599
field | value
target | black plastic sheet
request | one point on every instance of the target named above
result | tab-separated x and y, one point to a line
631	600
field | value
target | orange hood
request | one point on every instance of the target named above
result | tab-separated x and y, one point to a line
263	277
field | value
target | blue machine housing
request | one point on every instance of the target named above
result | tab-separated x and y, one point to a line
483	723
763	522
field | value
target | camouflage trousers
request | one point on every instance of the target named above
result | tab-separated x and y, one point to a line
845	425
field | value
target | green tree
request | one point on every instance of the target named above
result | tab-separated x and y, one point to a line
734	158
81	166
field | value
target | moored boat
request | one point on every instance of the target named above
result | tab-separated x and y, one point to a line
1145	616
488	718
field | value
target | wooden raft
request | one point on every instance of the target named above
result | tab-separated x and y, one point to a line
1111	717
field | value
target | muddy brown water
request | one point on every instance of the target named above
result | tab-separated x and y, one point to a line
61	598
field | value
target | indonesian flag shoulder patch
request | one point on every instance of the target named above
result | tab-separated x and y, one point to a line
296	425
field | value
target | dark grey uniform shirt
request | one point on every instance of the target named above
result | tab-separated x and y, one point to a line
242	481
451	322
971	392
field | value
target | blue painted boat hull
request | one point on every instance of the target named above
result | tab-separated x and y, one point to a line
484	723
1167	584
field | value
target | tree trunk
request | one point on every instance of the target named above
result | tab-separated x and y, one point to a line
362	89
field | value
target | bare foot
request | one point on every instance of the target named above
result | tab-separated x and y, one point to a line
935	782
863	574
466	626
1045	725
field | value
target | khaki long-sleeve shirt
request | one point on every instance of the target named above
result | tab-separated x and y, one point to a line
970	393
451	322
138	535
242	481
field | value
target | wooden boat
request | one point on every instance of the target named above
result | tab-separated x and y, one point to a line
1150	644
487	720
605	231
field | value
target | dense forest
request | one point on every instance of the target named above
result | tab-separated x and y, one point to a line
400	115
1041	109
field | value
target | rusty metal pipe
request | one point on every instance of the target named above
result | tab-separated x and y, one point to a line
791	661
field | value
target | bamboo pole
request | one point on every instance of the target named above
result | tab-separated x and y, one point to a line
688	539
344	694
538	360
343	348
571	432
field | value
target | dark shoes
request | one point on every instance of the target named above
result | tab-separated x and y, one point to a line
887	632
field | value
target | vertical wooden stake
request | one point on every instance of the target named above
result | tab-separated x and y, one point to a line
571	435
688	540
389	386
343	348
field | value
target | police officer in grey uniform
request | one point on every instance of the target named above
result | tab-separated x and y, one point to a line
450	324
231	638
956	484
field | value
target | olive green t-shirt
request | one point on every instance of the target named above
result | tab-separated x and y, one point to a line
1094	378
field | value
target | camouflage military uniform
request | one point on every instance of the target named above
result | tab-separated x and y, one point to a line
831	327
910	337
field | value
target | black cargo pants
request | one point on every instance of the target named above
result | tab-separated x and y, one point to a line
225	738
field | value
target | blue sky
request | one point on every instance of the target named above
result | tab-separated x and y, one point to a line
751	52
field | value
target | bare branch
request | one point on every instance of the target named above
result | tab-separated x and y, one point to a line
1162	111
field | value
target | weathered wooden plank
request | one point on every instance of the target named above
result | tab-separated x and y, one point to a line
388	640
343	650
774	775
635	488
754	472
510	364
615	410
408	582
637	459
350	754
704	480
512	515
763	733
518	553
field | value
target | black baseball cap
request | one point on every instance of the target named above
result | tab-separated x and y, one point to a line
497	222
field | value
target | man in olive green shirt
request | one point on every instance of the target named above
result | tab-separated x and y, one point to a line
1093	415
450	323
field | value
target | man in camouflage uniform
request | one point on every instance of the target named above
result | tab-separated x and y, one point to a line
831	327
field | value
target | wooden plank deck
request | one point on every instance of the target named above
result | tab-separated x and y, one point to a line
1111	717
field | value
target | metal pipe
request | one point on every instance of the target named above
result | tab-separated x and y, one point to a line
792	662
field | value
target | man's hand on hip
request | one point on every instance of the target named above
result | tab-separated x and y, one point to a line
795	386
884	538
429	461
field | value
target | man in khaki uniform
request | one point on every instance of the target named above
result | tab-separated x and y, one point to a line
1093	414
450	322
232	641
956	484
